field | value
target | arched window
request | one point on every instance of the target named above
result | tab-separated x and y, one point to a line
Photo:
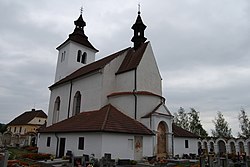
77	103
56	110
79	55
84	57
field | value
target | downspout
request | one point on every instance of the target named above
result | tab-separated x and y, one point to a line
70	92
134	93
57	144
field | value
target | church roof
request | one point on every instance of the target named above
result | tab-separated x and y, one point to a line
180	132
130	62
27	116
148	115
107	119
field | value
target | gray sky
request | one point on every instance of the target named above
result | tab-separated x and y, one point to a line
202	49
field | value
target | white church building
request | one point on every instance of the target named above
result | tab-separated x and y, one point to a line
112	105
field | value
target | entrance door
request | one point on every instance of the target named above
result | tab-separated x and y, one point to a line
161	140
62	147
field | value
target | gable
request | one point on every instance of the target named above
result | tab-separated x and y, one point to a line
27	116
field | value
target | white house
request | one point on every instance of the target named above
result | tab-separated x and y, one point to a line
112	105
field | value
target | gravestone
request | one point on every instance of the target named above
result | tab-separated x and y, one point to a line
4	158
6	138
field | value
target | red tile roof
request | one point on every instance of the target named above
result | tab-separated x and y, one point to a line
180	132
27	116
130	62
97	65
132	59
107	119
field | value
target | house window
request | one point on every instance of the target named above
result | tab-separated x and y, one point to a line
56	110
48	141
130	144
77	103
14	129
79	55
81	143
186	144
20	129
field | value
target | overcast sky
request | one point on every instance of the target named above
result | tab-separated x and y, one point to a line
202	49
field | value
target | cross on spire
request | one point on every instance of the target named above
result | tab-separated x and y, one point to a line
81	9
139	8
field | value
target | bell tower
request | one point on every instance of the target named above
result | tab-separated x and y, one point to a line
139	29
75	52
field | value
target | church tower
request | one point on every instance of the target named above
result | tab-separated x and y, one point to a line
139	29
75	52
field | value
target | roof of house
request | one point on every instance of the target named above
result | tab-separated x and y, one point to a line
27	116
107	119
130	62
180	132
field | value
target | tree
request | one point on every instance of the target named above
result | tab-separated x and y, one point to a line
181	119
244	124
221	127
195	124
3	128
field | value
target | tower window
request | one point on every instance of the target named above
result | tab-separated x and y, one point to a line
81	58
79	54
84	56
63	56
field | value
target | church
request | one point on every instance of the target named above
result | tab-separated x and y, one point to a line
111	105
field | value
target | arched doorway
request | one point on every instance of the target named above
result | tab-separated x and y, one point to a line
232	148
162	140
222	147
241	147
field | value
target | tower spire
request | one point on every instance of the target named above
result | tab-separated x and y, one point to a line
80	24
138	28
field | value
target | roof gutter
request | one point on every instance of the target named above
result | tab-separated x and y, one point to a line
134	92
70	93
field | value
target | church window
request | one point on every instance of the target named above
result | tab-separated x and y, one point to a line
77	103
48	141
84	57
81	143
20	129
14	129
79	55
56	110
186	143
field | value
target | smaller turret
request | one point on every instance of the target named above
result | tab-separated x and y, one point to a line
138	28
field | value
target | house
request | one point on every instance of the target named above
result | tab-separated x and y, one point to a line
112	105
184	142
23	128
